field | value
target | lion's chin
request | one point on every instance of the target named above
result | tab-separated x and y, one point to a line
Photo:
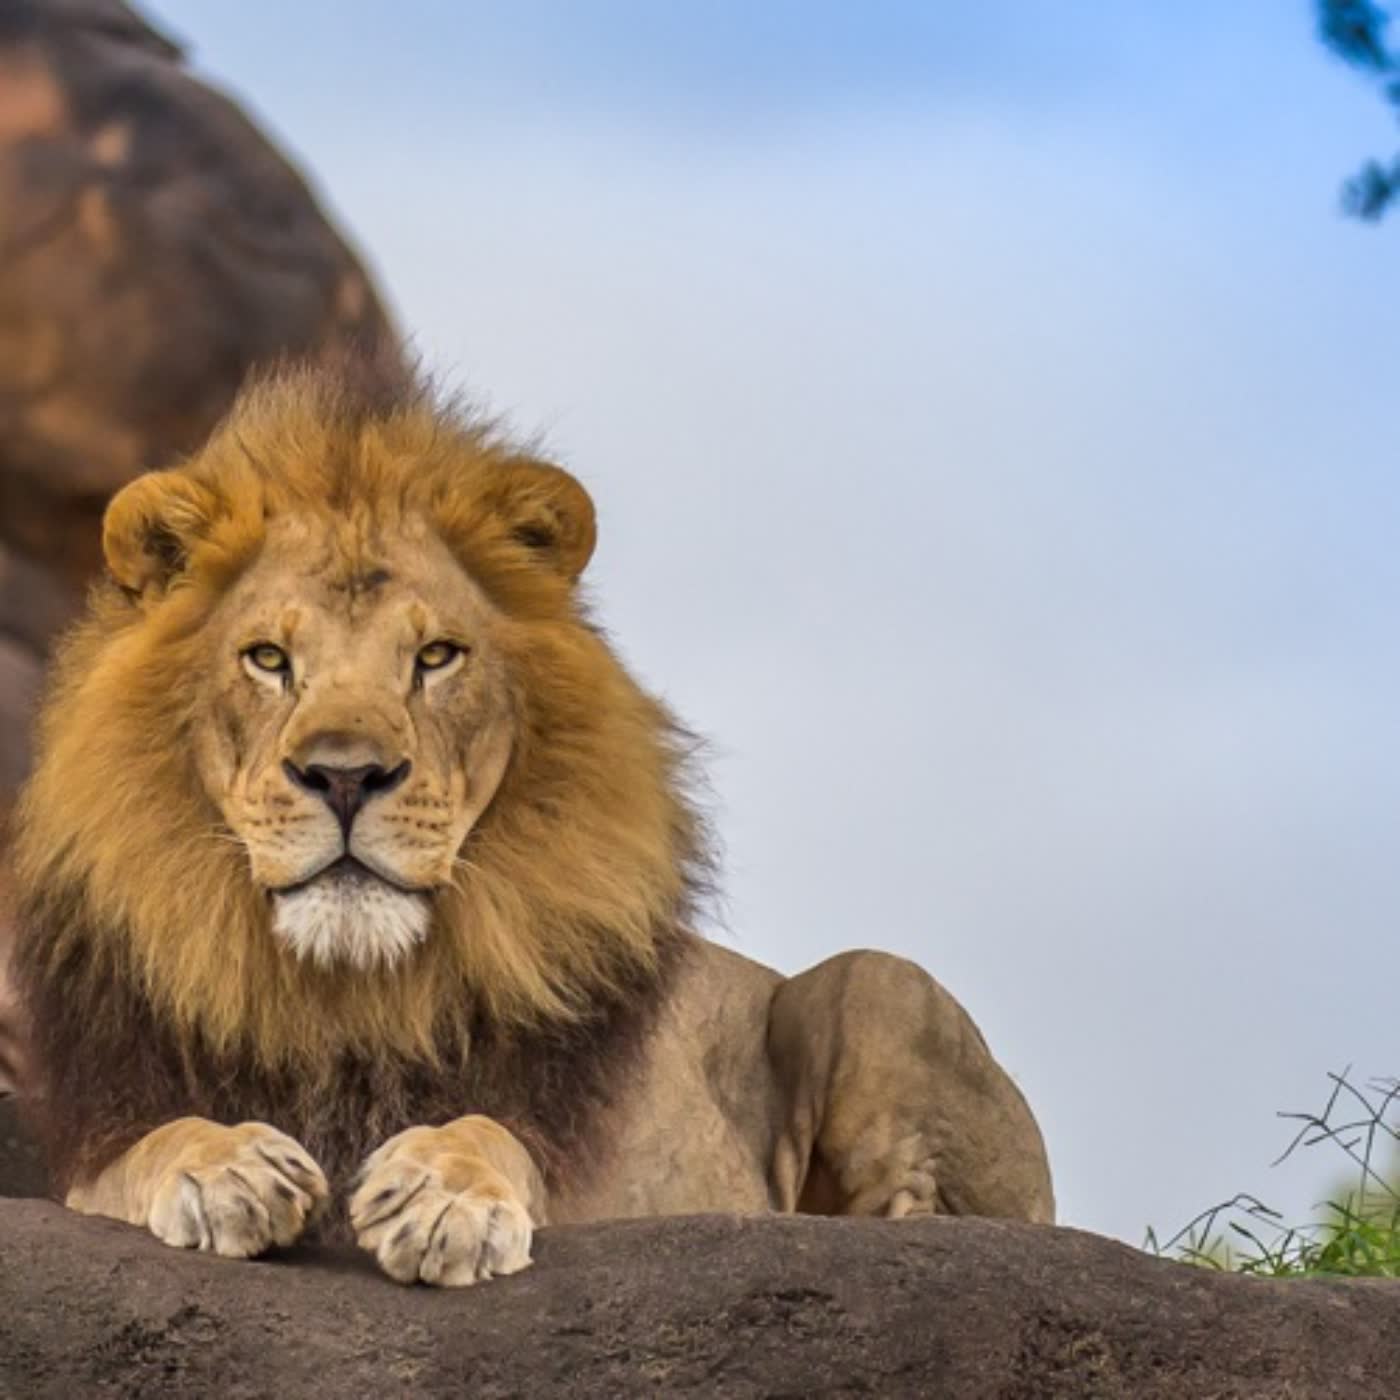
342	920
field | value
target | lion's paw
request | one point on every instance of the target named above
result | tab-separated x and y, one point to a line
237	1192
428	1215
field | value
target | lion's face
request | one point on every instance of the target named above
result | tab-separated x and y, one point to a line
354	724
338	758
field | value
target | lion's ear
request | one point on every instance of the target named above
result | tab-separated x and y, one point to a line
151	525
548	511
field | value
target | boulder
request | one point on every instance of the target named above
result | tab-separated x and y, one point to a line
20	674
698	1305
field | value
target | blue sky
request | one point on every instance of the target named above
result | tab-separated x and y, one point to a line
987	409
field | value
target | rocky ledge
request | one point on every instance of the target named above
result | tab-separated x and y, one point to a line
21	1168
701	1305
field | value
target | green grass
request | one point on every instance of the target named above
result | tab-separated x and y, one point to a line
1356	1233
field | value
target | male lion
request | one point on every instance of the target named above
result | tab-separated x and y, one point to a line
354	861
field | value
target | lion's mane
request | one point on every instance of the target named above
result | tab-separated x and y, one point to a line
151	979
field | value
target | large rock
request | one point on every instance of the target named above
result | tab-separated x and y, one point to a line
153	247
704	1305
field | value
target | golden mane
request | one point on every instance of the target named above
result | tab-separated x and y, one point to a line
586	861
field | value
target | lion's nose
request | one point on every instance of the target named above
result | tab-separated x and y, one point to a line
346	790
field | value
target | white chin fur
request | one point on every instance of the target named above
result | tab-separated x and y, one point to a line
360	922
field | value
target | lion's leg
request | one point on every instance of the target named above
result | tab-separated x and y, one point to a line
449	1205
201	1185
898	1107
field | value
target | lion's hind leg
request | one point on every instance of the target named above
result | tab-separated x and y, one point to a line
897	1106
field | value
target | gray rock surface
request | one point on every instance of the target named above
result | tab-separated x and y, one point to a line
21	1167
702	1305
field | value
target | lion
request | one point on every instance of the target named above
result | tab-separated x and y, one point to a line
359	885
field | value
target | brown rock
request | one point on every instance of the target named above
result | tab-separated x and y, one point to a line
34	604
21	1167
20	675
702	1305
153	247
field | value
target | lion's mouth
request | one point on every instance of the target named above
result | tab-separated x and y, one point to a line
348	913
346	873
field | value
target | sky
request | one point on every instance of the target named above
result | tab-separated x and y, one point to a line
986	408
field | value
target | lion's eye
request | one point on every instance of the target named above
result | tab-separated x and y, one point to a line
436	655
268	658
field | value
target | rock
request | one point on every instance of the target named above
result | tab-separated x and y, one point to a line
701	1305
153	247
20	674
21	1167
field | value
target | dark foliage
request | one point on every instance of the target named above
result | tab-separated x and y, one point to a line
1355	30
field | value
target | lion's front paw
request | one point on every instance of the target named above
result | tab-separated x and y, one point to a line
237	1191
431	1212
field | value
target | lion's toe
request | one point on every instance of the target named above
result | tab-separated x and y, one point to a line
477	1238
244	1192
421	1231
